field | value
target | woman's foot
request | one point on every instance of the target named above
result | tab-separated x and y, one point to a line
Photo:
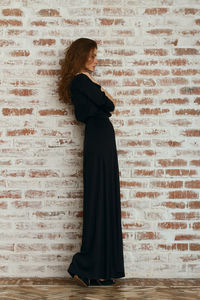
102	282
94	282
107	282
83	281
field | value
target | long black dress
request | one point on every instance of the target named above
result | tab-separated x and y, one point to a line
101	253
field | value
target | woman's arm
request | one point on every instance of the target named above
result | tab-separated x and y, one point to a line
84	85
108	95
102	89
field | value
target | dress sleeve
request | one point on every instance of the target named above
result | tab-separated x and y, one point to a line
109	105
93	91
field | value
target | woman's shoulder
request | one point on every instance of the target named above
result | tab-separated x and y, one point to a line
83	79
80	78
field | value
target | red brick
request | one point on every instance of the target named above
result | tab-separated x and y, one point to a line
5	163
196	225
192	132
5	43
10	23
175	101
21	92
172	81
182	195
147	236
173	247
153	173
20	53
106	21
182	247
131	225
180	172
191	11
155	72
188	112
145	247
172	225
25	131
132	183
39	23
153	111
190	90
125	214
163	31
8	173
185	215
175	62
49	12
156	11
43	173
149	152
167	184
174	162
133	143
169	204
44	42
55	112
39	194
180	122
140	82
24	204
147	194
10	194
195	163
152	91
48	72
16	111
78	22
19	247
194	204
190	32
3	205
156	52
12	12
195	184
180	237
197	21
187	72
194	247
186	51
143	62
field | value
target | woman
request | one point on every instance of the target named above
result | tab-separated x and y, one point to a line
101	255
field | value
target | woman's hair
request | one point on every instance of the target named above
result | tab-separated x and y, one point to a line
75	58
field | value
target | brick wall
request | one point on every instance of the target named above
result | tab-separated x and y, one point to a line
149	61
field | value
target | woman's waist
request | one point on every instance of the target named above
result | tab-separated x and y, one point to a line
99	114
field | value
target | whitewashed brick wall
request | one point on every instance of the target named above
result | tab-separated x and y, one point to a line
149	60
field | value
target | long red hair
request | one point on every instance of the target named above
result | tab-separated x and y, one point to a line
74	60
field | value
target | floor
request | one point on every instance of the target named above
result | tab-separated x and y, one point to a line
129	289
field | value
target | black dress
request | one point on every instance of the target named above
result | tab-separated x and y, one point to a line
101	253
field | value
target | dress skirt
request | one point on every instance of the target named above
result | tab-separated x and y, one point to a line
101	253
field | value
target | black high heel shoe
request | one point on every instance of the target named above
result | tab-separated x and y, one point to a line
98	282
94	282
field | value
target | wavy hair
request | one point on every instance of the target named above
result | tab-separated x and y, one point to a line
74	60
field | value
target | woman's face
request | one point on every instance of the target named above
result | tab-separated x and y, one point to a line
92	60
